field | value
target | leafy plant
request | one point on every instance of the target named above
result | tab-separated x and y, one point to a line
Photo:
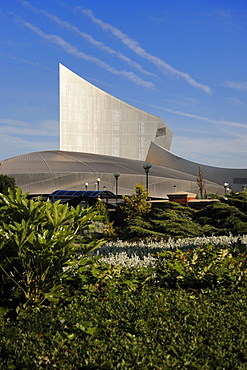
202	267
104	223
37	242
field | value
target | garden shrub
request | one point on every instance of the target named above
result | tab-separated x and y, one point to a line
6	183
37	242
137	204
137	329
202	267
224	218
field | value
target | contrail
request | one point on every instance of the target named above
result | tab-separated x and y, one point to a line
79	54
136	47
28	62
237	124
89	38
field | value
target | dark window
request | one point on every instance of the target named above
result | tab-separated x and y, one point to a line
161	131
240	180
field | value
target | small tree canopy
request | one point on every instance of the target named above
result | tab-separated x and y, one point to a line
137	204
6	182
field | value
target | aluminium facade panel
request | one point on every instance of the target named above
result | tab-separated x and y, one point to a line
93	121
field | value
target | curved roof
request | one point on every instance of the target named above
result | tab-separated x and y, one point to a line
46	171
235	177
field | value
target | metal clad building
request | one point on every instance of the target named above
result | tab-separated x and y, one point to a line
100	135
92	121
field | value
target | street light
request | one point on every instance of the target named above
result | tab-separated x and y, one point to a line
86	185
116	175
147	166
226	187
98	181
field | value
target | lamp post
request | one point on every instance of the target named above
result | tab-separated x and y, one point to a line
86	185
116	175
226	184
147	166
98	181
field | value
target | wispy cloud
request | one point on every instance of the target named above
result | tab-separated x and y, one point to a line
13	145
27	62
238	85
220	152
70	49
16	127
236	101
223	14
136	47
200	118
89	38
19	137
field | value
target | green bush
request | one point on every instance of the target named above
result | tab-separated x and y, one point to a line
224	218
123	318
203	267
142	329
37	242
136	205
6	183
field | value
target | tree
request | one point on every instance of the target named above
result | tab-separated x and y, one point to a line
6	183
136	205
201	183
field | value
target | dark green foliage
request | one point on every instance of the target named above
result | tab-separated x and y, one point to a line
6	182
134	329
224	218
218	218
238	200
175	220
172	221
134	319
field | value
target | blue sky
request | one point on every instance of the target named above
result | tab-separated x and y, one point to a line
184	61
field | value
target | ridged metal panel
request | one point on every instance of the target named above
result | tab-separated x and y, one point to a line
92	121
48	171
218	175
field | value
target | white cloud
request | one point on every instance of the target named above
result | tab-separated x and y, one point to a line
200	118
238	85
41	128
235	101
89	38
223	14
69	48
212	151
136	47
183	101
15	145
28	62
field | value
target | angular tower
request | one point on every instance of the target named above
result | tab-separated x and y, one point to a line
92	121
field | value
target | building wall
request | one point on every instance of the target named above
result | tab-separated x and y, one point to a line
235	177
92	121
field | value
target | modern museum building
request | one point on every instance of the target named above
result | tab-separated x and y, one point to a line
100	136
